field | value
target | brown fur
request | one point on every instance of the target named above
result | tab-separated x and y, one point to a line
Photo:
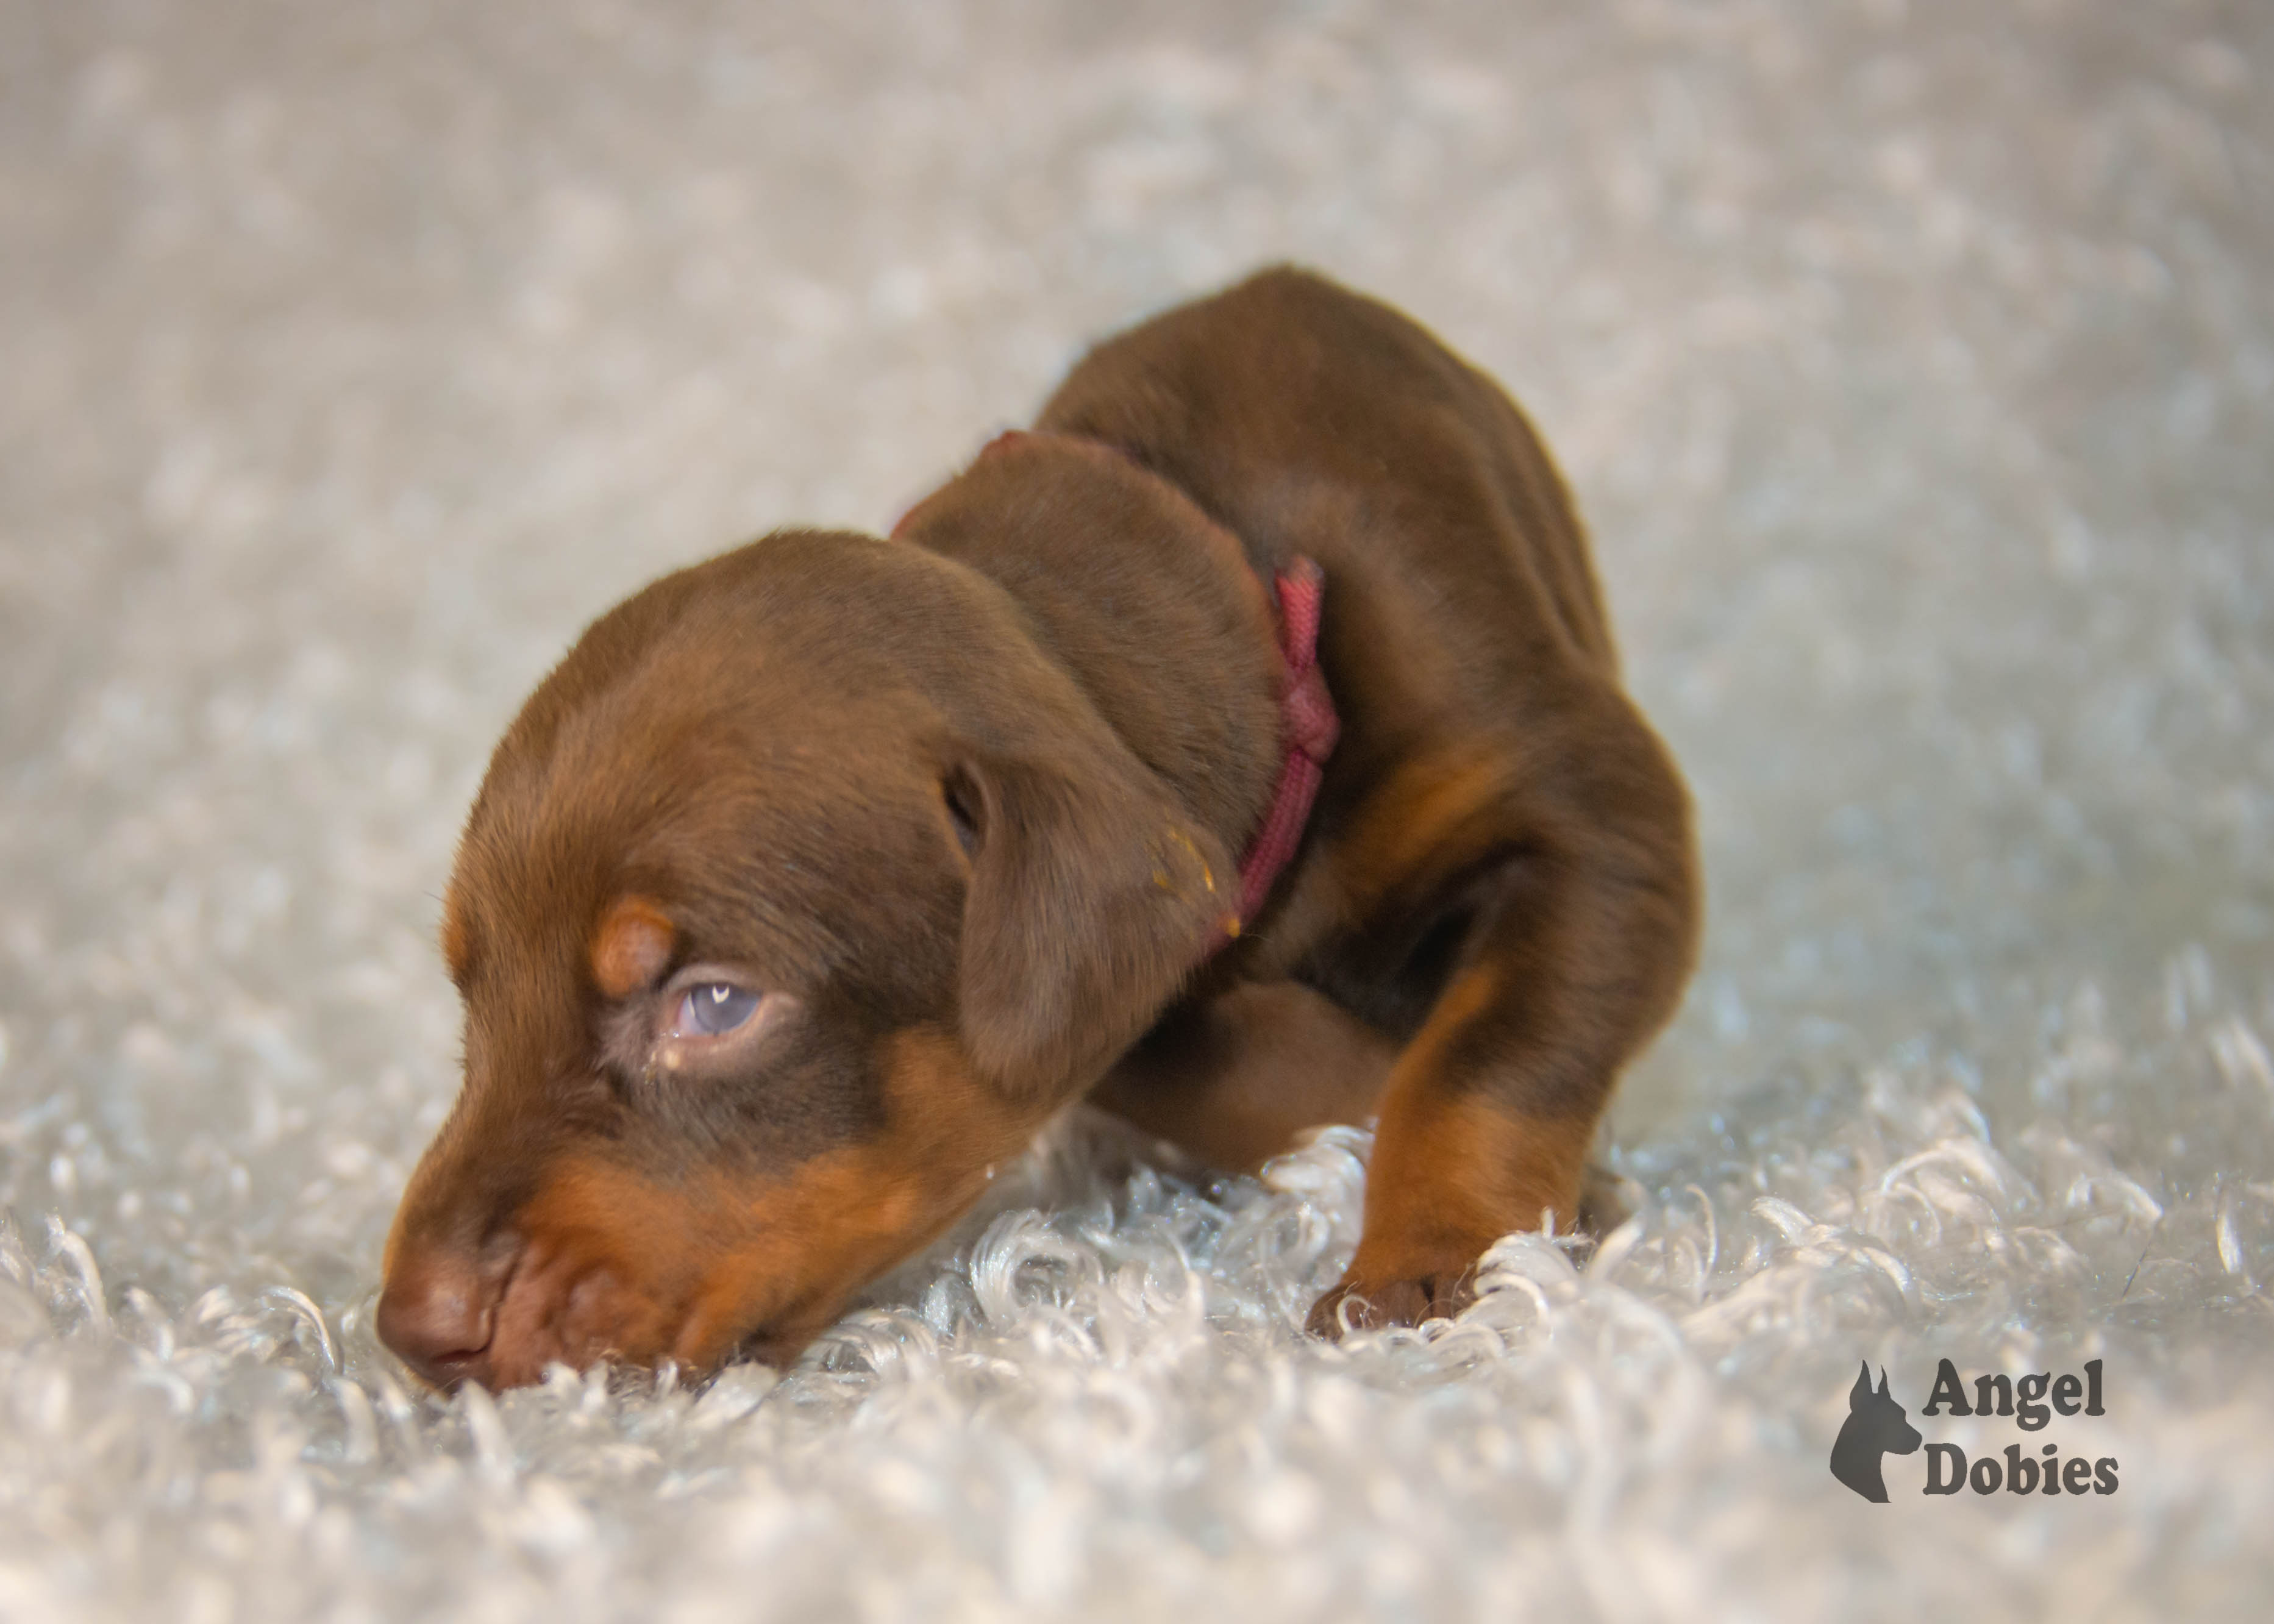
969	805
1234	1078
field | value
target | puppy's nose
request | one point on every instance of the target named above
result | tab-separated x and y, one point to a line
438	1311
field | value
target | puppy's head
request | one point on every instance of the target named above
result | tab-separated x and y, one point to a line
799	896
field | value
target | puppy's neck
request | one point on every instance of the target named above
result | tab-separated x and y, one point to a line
1154	610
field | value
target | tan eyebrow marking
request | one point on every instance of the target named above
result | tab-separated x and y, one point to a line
631	946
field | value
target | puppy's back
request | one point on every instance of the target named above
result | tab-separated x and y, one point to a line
1311	419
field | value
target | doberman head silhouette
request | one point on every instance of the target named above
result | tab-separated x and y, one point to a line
1875	1426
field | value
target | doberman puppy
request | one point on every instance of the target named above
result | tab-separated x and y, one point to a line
819	877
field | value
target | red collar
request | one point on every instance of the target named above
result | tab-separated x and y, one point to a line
1308	725
1308	729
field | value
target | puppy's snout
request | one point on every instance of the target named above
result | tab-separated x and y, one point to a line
438	1313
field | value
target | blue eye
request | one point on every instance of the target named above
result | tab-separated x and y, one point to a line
714	1009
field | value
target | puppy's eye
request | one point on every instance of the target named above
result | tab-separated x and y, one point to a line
712	1009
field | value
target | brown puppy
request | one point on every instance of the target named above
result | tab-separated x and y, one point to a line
819	877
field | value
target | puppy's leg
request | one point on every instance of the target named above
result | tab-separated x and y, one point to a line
1232	1080
1576	956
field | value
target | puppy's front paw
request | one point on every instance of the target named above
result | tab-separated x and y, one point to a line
1363	1301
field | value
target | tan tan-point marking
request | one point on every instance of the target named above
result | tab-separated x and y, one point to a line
631	946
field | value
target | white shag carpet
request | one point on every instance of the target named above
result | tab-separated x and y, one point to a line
1914	365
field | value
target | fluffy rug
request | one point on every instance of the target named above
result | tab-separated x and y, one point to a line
1914	364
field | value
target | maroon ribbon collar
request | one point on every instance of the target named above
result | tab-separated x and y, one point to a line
1308	729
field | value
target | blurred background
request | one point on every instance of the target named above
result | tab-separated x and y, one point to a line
1913	364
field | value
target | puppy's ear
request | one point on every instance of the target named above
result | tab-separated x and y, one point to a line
1091	900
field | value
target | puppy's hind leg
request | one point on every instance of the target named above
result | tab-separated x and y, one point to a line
1575	958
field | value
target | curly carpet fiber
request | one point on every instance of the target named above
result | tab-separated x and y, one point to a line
1914	364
